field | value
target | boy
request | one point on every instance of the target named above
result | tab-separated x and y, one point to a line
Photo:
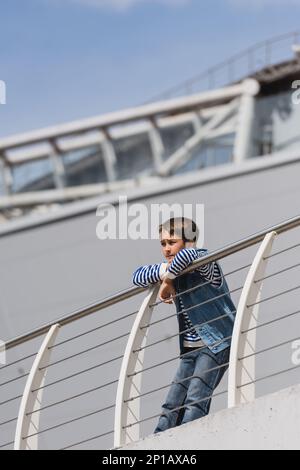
205	313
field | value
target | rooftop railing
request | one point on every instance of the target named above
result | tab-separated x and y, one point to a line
243	64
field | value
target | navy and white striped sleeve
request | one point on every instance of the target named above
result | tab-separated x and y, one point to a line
210	272
182	260
149	274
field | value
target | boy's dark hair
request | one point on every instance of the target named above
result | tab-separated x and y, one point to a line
183	228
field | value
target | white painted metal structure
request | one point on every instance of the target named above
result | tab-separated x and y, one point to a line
127	409
243	345
29	414
130	384
225	111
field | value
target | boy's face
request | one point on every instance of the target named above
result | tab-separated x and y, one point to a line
171	245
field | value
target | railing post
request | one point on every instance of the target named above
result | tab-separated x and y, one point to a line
243	341
245	122
109	154
59	174
7	175
28	420
157	145
128	412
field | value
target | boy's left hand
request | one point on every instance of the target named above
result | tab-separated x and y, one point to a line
166	291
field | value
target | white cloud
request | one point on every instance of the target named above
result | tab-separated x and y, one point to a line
126	4
264	3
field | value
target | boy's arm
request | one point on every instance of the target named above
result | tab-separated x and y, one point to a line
149	274
210	271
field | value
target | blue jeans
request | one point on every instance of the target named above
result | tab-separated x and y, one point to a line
193	385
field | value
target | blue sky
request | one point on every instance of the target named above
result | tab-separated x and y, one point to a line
68	59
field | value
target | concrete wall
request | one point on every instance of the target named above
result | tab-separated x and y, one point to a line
269	423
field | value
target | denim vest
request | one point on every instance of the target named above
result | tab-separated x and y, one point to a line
214	332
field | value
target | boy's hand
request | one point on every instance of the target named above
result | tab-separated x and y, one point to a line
166	291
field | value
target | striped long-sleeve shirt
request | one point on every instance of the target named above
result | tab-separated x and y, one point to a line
151	274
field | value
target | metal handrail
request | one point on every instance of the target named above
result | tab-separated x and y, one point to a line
186	85
117	118
133	291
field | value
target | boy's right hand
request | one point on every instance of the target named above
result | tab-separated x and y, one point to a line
167	291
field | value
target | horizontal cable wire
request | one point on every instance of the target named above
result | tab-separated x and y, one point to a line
18	360
191	289
184	331
10	399
269	376
79	373
176	409
277	272
67	422
270	348
203	284
148	393
179	382
271	321
8	421
14	379
282	251
177	357
93	329
85	351
107	384
198	286
88	440
193	306
67	399
274	296
7	444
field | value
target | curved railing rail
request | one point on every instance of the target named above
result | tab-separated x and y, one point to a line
127	407
247	320
29	413
129	381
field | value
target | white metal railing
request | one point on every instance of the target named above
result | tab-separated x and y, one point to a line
128	387
99	135
240	65
29	413
247	320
